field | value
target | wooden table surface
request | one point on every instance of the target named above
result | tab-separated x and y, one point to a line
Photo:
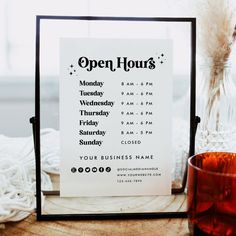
134	227
149	227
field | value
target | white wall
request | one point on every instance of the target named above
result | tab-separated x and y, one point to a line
17	92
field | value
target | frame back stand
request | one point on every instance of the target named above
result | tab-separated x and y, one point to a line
117	216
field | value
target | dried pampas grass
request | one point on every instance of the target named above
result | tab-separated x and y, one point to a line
217	31
217	35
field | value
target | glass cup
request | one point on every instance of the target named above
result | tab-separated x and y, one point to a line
212	194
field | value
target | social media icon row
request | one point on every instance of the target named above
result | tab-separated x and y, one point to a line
90	169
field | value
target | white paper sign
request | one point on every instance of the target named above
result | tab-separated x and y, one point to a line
115	117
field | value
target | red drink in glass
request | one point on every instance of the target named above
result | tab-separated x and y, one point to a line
212	194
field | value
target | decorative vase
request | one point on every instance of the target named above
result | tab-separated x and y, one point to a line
216	106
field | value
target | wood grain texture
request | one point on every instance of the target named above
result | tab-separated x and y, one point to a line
58	205
150	227
129	204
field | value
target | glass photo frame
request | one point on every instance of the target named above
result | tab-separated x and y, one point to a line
50	30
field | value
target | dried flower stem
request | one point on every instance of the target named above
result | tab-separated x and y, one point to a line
217	37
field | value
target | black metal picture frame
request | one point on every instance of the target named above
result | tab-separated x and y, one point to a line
36	120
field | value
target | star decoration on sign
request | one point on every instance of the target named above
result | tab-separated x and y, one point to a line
71	70
161	58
